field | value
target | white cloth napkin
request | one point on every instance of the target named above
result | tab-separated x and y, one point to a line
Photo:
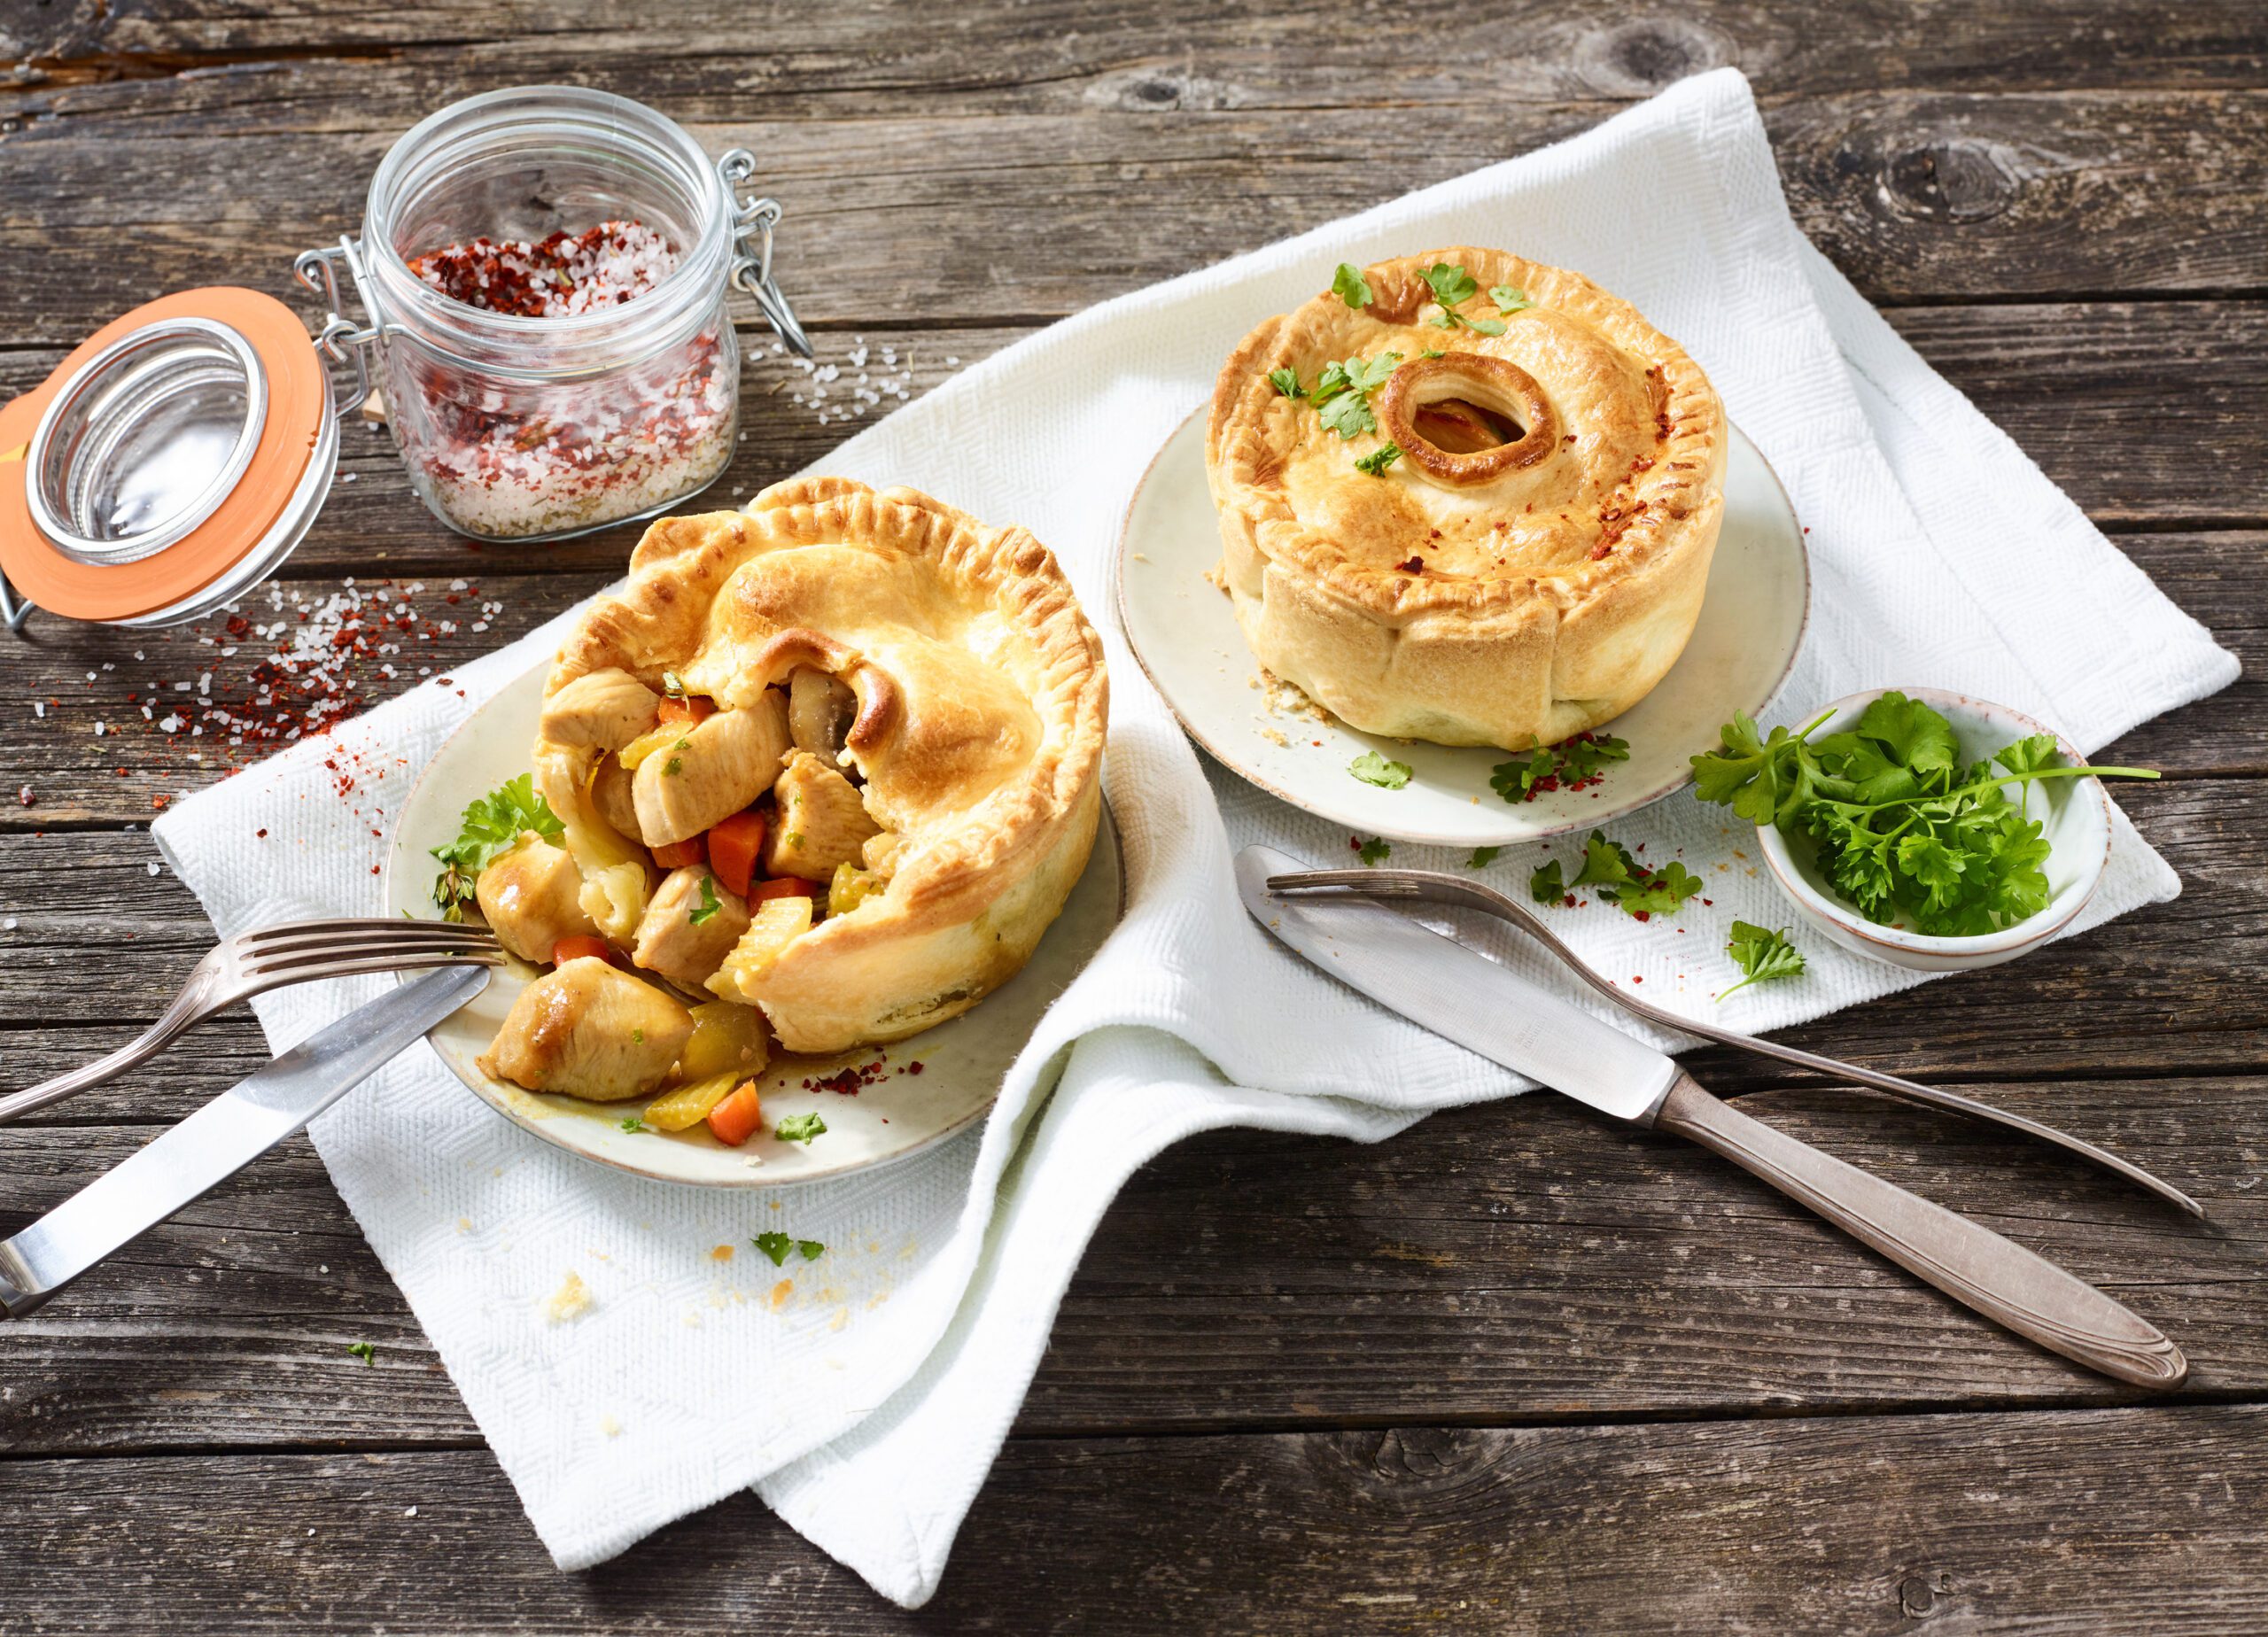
866	1395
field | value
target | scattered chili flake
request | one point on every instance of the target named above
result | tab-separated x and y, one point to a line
1411	564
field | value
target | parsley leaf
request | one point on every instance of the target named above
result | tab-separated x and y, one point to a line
1544	884
1373	769
709	904
672	684
1482	857
774	1244
1660	894
1905	831
1287	381
1606	864
811	1250
1762	954
490	829
1508	300
1348	415
1376	463
1350	286
632	1123
800	1129
1570	765
1375	851
364	1351
1450	285
1341	395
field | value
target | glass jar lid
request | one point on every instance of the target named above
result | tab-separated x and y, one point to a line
169	463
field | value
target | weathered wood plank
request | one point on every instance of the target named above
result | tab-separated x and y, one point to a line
1521	1263
1925	197
2068	1523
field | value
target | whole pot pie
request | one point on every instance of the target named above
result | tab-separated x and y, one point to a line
1467	497
834	761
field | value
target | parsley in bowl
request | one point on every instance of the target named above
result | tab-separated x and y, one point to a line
1924	829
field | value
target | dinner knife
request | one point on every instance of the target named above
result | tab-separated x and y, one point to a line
185	1163
1486	1007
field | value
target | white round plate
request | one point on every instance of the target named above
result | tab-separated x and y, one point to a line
963	1061
1186	638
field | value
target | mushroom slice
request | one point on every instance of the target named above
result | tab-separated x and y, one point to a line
710	771
776	923
589	1031
823	821
605	709
686	932
821	710
532	898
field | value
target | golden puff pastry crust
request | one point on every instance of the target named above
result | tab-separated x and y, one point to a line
975	716
1530	558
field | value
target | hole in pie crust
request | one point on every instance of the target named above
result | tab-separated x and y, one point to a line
1467	418
1463	427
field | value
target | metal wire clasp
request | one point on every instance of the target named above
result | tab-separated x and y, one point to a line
342	341
753	220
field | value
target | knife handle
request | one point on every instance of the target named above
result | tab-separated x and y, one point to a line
1969	1262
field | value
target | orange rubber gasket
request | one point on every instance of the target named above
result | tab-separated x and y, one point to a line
298	396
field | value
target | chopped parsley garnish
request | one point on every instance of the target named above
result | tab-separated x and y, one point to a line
1482	857
364	1351
1907	833
1545	885
1350	286
673	767
1287	381
1508	300
776	1245
1660	894
709	905
1378	459
490	829
1762	954
1374	851
1450	285
672	685
800	1129
795	838
637	1037
1620	880
1341	395
1371	768
1570	765
632	1123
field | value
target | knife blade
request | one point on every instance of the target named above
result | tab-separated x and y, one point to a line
1437	983
183	1164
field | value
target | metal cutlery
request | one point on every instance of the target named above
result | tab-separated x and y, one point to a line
1434	887
252	963
184	1163
1489	1009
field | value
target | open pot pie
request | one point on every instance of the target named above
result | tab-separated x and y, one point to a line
1467	497
833	762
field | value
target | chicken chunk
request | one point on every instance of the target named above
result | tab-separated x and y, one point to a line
710	772
533	896
591	1031
820	709
823	822
610	794
606	710
673	942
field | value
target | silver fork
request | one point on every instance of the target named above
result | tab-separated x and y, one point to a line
1433	887
252	963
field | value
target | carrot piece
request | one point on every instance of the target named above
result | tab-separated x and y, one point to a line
693	707
676	855
577	946
733	1120
734	844
781	887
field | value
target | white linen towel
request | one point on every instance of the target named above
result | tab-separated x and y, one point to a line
865	1394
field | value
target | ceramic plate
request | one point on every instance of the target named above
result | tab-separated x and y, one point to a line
962	1062
1186	638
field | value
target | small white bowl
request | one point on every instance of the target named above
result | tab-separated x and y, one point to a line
2076	820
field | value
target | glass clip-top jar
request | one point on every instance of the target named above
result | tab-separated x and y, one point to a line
545	272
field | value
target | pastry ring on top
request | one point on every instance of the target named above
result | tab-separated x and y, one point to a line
1487	524
927	699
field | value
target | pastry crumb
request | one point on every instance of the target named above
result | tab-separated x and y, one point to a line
608	1425
723	1252
570	1301
780	1292
464	1225
1274	736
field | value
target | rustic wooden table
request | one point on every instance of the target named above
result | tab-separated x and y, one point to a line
1513	1371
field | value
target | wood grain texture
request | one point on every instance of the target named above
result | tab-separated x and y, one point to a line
2064	1523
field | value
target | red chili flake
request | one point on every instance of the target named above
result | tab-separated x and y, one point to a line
1634	978
158	803
1709	903
261	834
915	1066
1412	564
1642	915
